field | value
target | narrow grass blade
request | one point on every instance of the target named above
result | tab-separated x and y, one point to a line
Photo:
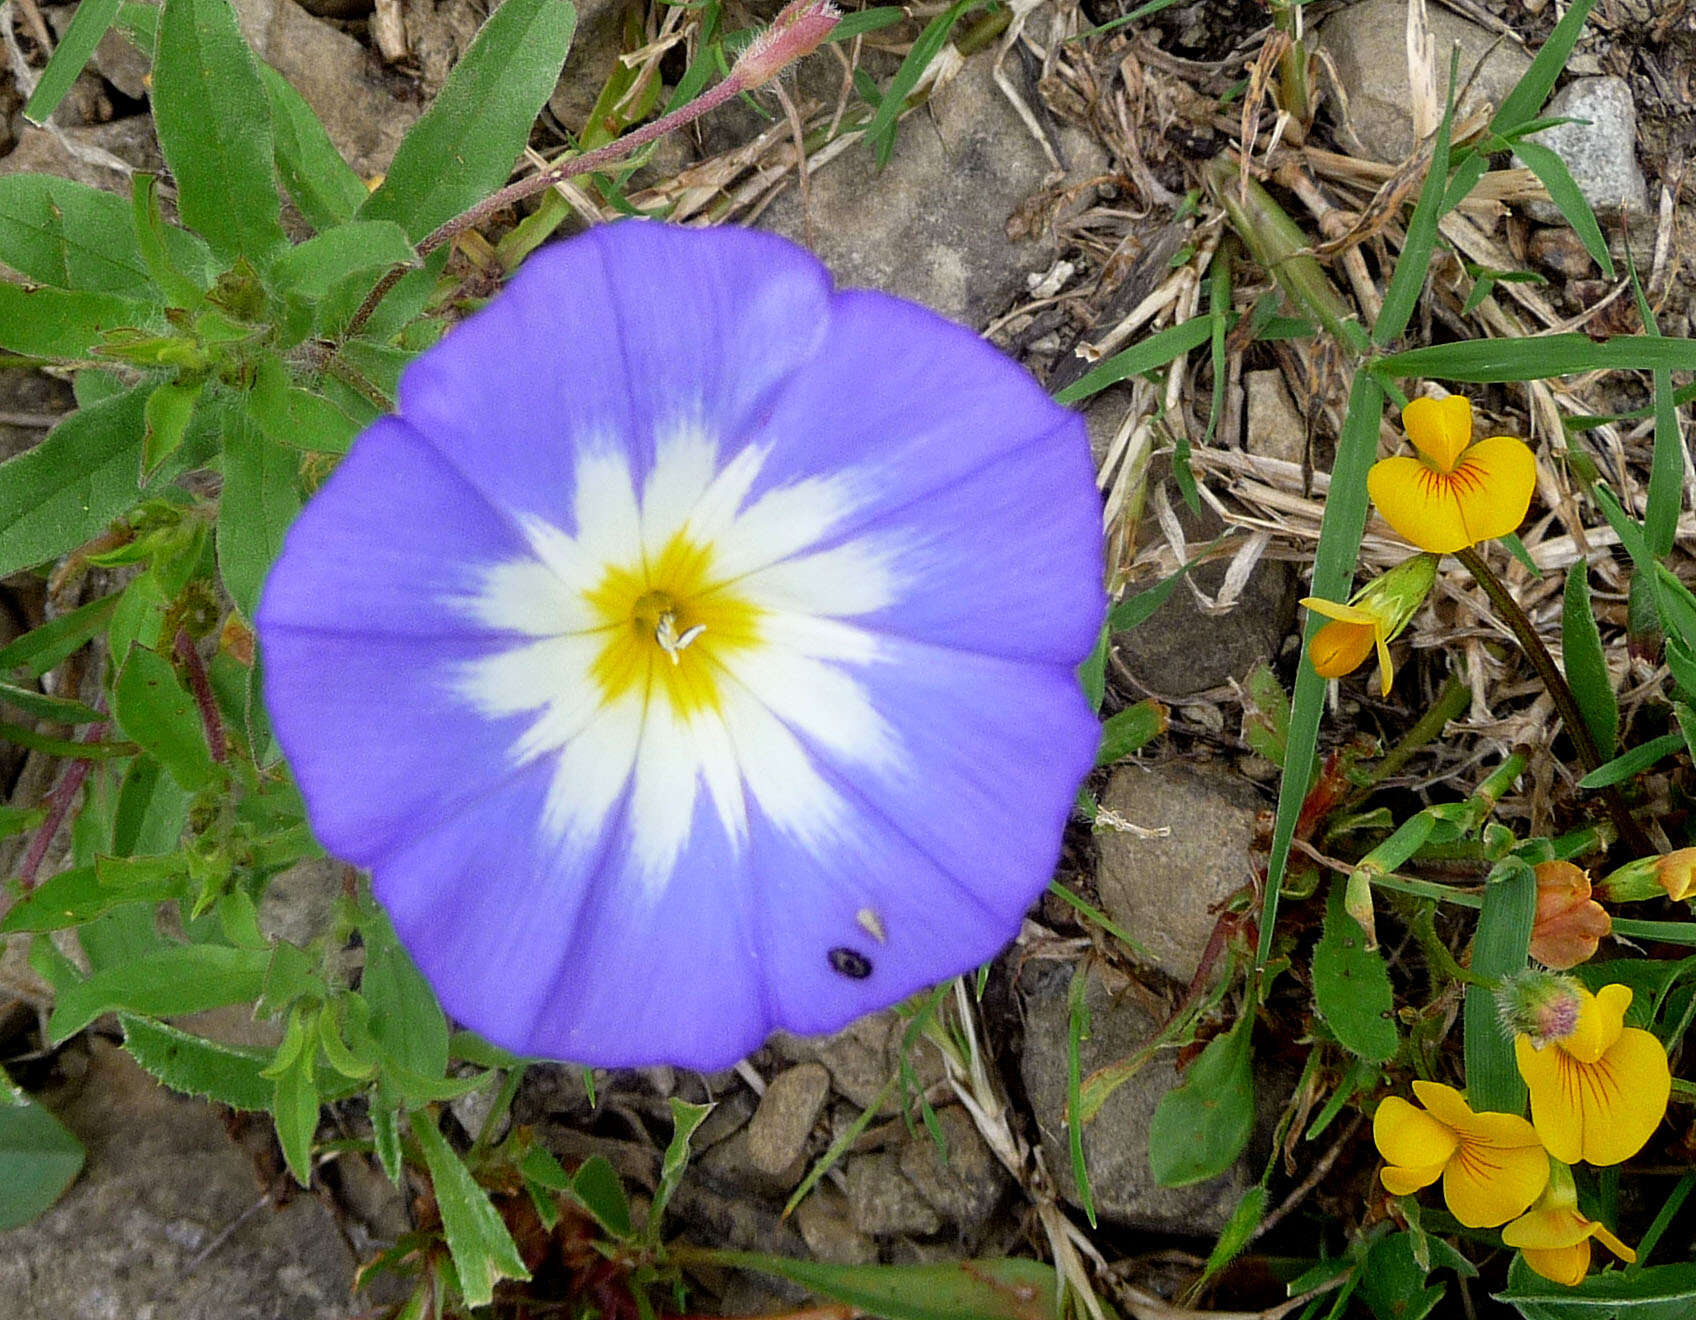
1498	949
1409	278
1490	361
1585	662
1333	568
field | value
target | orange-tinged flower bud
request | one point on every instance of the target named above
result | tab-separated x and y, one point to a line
1569	924
1372	619
1677	873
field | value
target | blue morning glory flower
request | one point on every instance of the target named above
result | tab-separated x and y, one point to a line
694	653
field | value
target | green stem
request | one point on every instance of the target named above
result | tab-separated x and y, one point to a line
1554	682
1451	701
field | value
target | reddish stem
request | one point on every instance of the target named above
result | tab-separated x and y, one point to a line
201	686
58	802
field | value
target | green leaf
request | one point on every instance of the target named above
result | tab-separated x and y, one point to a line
1632	762
88	25
1585	662
1077	1031
299	418
45	648
464	147
1333	569
1202	1125
65	490
1499	949
1392	1281
406	1021
154	709
596	1187
1485	361
1008	1289
482	1249
170	254
322	184
180	978
151	811
1351	985
295	1098
227	1074
1093	672
1145	355
1527	97
1239	1230
1130	730
45	707
260	500
1408	279
39	1158
385	1133
55	231
1552	172
214	125
311	269
685	1118
56	323
166	415
80	894
1657	1292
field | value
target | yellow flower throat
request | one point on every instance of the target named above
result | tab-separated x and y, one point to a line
670	625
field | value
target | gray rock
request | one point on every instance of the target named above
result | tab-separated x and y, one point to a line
729	1168
828	1231
1161	889
1367	43
1115	1141
864	1055
163	1180
338	78
1183	649
1272	427
965	1188
778	1133
595	48
932	225
1601	155
122	65
882	1199
101	155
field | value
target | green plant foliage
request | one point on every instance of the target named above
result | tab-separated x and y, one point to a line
1202	1125
1351	985
260	500
962	1290
481	119
1656	1292
1586	665
39	1158
1500	948
228	1074
483	1250
166	982
88	25
1130	730
153	708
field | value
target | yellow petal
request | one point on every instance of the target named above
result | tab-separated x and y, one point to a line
1557	1119
1556	1226
1484	1186
1418	504
1601	1017
1603	1112
1403	1180
1563	1265
1612	1243
1333	610
1441	429
1386	667
1338	648
1493	483
1408	1136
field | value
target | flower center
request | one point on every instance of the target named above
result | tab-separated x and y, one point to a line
669	624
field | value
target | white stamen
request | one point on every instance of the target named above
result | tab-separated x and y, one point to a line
669	642
871	923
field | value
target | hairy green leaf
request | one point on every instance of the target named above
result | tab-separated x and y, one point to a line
483	1251
261	498
214	125
59	232
69	324
1202	1125
179	978
227	1074
1351	985
154	709
1007	1289
39	1158
322	184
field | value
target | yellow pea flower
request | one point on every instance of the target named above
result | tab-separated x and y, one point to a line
1555	1236
1599	1089
1492	1165
1456	493
1373	618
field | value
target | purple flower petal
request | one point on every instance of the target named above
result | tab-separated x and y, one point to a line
719	638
